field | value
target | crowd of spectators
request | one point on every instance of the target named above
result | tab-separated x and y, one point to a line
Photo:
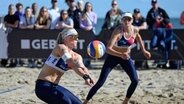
78	15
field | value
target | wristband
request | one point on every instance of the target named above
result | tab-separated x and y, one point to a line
86	76
66	56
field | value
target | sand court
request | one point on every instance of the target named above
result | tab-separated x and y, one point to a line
155	86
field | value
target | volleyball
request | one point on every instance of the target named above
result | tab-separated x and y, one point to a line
96	49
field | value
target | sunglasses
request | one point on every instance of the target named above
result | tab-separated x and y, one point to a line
44	10
114	4
127	19
65	14
89	6
74	37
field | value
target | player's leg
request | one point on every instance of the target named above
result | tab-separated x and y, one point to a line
129	68
66	97
109	64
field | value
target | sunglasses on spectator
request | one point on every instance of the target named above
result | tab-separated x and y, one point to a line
65	14
44	10
114	4
127	19
89	6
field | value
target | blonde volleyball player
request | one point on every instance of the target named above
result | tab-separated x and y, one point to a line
124	36
61	59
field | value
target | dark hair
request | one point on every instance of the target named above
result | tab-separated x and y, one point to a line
137	10
53	1
18	5
10	6
113	1
69	1
62	11
27	8
85	7
33	4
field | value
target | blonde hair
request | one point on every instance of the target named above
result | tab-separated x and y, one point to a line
59	38
41	18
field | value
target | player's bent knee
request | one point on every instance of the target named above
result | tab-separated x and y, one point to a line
135	82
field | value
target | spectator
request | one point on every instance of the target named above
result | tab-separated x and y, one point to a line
164	24
162	39
75	14
182	18
28	20
54	13
19	12
43	21
64	21
72	7
35	11
156	14
80	5
88	19
139	22
11	21
158	19
112	18
68	2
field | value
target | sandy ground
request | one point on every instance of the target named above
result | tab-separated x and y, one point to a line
155	86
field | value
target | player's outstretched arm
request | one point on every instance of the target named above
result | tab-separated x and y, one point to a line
82	71
139	40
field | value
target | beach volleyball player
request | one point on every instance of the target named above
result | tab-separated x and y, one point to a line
61	59
118	50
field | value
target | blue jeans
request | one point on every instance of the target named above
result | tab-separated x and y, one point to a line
162	39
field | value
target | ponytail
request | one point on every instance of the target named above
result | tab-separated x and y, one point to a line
59	39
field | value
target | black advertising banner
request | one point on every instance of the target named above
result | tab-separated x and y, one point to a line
39	43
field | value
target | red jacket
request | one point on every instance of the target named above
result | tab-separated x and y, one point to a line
163	25
182	18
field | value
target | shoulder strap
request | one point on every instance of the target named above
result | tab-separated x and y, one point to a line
89	18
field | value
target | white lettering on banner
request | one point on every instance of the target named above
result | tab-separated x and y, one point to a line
44	44
80	44
147	45
173	45
36	44
52	44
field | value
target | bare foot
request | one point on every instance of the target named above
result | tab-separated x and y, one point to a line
85	102
125	101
